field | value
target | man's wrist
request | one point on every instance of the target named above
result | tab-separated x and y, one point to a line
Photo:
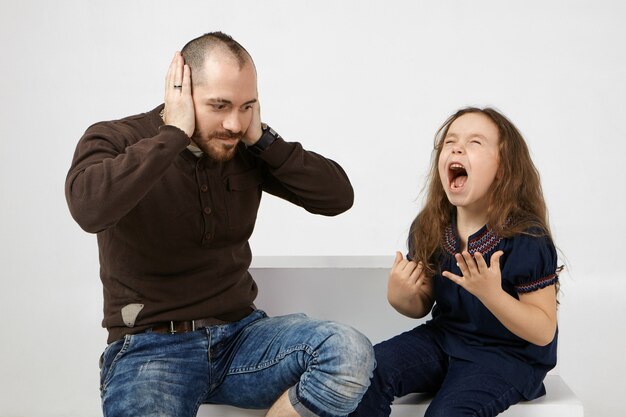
268	137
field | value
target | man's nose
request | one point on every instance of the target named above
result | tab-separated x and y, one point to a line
232	122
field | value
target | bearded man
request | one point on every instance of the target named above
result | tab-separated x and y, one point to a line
172	195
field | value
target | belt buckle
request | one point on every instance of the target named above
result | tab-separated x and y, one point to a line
173	327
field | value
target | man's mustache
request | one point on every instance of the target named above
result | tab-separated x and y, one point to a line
226	135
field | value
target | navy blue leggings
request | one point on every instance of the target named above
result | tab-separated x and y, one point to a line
414	362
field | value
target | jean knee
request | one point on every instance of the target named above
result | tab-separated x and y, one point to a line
353	349
338	374
363	356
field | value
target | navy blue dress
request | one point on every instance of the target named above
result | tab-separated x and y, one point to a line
469	330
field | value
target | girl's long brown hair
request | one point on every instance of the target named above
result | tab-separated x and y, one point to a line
516	202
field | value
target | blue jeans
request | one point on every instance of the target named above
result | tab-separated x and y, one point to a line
325	366
414	362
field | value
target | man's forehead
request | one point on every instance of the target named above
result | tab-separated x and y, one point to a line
223	70
226	80
221	56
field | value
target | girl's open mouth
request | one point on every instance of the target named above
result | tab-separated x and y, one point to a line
457	175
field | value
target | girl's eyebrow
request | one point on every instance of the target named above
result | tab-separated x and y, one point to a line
470	136
479	136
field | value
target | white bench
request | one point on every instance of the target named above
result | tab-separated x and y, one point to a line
559	402
352	290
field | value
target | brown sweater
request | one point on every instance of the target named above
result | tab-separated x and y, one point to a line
172	228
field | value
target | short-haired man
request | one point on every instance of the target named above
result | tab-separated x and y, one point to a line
173	196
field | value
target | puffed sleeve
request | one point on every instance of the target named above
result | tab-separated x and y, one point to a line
531	264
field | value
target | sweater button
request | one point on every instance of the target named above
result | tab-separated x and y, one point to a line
207	210
207	236
204	188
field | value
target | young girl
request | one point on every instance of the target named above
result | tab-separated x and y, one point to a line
482	259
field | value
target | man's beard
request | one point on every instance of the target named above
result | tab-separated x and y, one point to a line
215	148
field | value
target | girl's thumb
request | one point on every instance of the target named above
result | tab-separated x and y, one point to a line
399	257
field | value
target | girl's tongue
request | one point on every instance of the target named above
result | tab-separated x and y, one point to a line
458	173
459	181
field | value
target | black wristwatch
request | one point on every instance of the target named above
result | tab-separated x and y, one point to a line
267	138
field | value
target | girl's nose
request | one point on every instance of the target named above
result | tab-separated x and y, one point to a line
458	148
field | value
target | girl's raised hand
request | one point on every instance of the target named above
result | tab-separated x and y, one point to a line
409	291
476	277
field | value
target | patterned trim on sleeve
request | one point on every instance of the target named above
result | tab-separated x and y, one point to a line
537	284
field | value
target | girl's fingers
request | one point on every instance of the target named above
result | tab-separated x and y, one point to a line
415	275
470	262
452	277
480	262
495	260
462	264
397	260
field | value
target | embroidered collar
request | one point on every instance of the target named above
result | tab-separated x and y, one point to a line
483	241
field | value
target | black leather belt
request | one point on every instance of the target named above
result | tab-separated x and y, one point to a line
192	325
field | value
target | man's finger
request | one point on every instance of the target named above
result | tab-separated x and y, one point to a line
178	71
169	78
186	83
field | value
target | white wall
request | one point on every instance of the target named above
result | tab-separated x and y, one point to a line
366	83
